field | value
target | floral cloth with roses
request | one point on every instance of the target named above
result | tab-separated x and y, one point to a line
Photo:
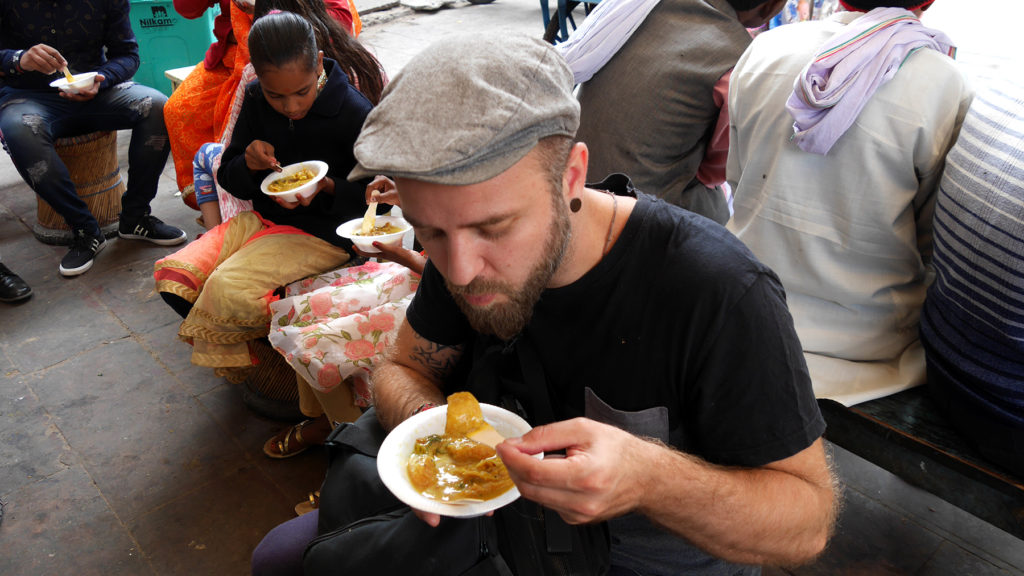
338	324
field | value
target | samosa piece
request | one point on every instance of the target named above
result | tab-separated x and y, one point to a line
466	419
464	415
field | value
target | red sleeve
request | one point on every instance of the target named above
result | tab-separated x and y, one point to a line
711	171
193	9
341	12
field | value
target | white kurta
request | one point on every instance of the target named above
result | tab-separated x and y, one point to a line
849	233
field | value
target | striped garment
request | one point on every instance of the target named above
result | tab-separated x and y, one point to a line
973	320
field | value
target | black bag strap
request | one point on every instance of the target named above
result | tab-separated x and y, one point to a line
510	375
515	375
535	382
558	534
352	489
365	435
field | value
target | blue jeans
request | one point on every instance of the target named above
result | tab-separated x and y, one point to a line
202	172
30	121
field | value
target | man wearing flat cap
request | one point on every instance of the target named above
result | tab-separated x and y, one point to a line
840	129
682	400
655	351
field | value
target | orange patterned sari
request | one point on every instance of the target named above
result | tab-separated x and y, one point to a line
197	111
229	275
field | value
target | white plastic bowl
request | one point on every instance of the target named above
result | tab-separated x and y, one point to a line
351	228
397	447
303	191
82	81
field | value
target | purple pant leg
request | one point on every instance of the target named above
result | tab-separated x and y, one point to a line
280	552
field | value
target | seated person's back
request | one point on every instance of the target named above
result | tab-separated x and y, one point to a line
846	225
654	109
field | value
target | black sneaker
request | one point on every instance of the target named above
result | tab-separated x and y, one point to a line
84	247
152	229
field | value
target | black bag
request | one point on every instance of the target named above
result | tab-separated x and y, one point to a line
364	529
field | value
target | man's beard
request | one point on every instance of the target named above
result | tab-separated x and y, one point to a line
506	320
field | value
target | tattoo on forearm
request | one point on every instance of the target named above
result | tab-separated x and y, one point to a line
438	360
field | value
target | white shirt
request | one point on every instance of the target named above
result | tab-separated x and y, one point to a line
848	233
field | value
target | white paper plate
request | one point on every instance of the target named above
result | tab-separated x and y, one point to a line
82	81
306	189
365	243
397	447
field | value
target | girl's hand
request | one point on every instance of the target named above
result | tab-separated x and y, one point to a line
326	184
411	259
259	155
382	189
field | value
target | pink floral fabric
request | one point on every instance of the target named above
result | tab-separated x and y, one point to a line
338	324
230	206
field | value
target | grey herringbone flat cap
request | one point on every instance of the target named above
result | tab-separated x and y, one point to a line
466	109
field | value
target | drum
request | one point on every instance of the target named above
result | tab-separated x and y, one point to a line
91	160
270	389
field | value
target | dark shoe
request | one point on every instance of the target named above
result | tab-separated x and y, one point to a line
152	229
12	287
84	247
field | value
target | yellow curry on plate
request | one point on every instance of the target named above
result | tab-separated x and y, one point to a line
379	230
451	467
291	181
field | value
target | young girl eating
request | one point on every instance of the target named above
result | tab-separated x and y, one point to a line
333	37
302	108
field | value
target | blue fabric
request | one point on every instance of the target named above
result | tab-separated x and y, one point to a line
30	121
997	435
202	172
93	36
972	325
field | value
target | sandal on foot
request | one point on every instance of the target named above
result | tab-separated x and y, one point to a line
289	442
309	505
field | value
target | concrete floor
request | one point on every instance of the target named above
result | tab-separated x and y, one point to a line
117	456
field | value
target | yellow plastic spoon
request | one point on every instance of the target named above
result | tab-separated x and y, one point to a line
369	219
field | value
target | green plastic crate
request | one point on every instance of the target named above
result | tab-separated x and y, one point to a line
168	40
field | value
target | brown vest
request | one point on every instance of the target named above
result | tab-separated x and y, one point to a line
649	111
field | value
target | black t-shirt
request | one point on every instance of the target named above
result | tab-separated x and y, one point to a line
679	333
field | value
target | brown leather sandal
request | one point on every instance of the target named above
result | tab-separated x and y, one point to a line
289	442
308	505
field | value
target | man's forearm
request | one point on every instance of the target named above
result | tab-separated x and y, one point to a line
399	390
412	373
777	515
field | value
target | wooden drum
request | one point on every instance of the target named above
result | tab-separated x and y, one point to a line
271	389
91	160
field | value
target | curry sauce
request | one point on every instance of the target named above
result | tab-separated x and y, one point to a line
452	467
292	181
